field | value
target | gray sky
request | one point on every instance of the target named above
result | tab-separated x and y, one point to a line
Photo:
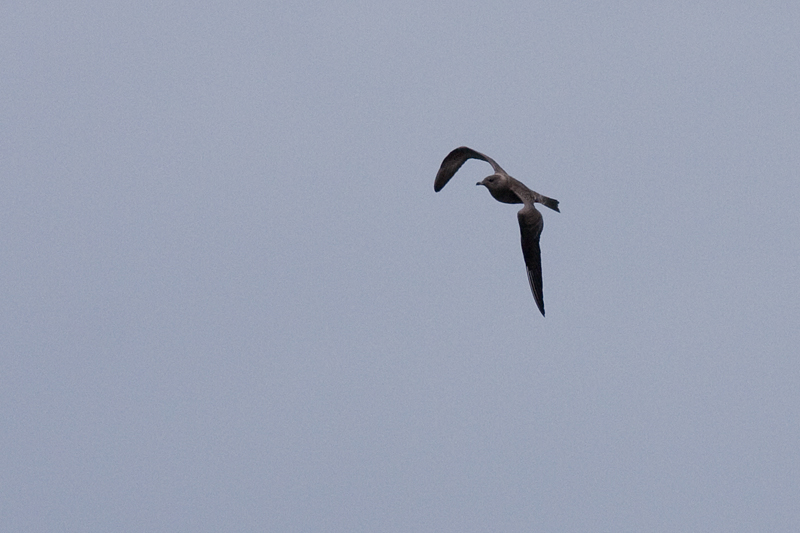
231	300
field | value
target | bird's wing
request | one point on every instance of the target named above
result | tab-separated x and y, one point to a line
528	196
530	227
453	162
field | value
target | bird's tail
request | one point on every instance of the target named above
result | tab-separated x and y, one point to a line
548	202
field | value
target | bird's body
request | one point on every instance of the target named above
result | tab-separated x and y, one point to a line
508	190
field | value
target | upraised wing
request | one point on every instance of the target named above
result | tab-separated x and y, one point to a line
453	162
530	228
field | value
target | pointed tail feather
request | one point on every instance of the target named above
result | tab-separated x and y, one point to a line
549	202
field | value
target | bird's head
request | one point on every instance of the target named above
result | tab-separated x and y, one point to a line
494	182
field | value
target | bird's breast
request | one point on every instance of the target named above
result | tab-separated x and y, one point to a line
506	196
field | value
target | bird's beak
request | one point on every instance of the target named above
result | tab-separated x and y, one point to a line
479	183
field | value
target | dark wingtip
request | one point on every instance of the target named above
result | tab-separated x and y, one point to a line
440	181
451	163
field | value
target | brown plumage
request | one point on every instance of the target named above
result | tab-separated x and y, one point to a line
508	190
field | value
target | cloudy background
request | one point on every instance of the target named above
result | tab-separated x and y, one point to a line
231	300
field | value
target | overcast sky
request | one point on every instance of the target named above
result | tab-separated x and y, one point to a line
232	301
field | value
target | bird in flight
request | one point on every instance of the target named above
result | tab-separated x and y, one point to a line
508	190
